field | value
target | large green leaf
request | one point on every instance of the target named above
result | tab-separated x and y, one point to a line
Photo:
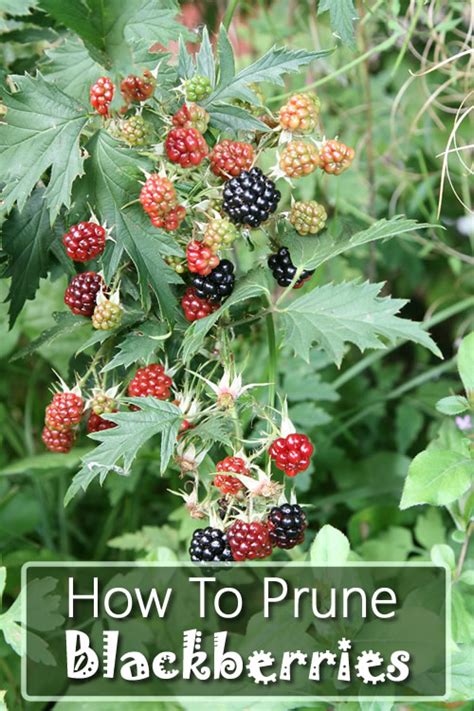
437	477
311	252
41	131
114	32
71	68
272	67
112	180
336	314
119	445
342	14
27	238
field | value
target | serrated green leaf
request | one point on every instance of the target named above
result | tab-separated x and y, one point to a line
437	477
119	445
226	58
139	346
27	238
71	68
42	131
342	14
65	323
466	362
205	65
274	64
336	314
185	61
312	251
249	287
233	118
114	32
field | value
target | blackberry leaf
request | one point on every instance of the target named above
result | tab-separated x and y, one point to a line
42	131
337	314
27	238
119	446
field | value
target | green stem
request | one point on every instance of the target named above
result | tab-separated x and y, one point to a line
382	47
272	360
229	13
465	546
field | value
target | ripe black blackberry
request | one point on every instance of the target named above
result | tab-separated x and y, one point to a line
250	198
287	525
217	285
284	270
210	545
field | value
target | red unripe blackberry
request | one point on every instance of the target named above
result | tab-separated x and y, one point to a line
284	270
64	412
135	88
217	285
195	308
230	158
299	158
201	259
287	524
249	541
84	241
191	116
172	220
151	380
209	545
226	483
335	157
96	423
81	294
60	442
186	146
101	94
292	454
158	198
300	113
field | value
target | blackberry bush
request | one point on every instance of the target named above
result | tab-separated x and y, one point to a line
175	186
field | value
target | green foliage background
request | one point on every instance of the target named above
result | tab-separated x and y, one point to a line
369	418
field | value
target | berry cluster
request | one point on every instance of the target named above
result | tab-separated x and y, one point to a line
134	88
292	454
82	293
308	218
218	284
284	271
151	380
191	116
194	307
229	158
63	415
84	241
197	88
250	198
300	114
101	94
159	200
186	146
